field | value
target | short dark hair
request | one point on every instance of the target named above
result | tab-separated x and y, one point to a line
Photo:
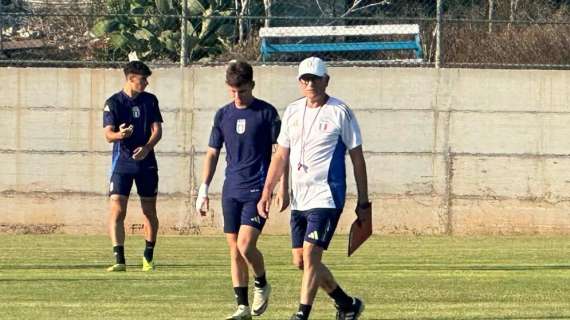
137	67
239	73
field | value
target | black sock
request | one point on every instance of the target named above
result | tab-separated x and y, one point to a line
341	299
241	296
119	252
149	250
304	311
260	282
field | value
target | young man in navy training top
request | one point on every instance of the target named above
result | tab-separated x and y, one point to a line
248	127
132	122
317	132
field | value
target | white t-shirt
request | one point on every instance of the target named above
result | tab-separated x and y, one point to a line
318	139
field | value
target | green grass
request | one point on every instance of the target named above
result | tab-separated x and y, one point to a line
62	277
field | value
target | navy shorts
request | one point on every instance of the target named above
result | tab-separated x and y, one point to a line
316	226
241	210
146	181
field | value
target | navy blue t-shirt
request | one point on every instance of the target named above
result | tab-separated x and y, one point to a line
248	135
141	112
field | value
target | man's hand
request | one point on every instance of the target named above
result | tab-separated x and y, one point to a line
202	201
140	153
124	131
364	211
264	205
282	200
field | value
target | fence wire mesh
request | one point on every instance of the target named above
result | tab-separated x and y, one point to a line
484	33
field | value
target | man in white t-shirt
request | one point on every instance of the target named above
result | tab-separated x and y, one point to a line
316	132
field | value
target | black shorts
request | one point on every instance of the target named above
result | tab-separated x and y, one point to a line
146	181
241	211
315	226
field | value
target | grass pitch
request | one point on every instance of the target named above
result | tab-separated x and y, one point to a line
63	277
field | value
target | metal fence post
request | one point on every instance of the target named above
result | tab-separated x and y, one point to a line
184	30
438	27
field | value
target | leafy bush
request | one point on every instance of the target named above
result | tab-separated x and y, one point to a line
154	31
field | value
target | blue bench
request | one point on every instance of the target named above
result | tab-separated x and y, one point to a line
307	33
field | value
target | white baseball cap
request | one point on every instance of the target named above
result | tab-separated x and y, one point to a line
312	65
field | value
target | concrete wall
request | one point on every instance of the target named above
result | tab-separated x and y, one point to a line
451	151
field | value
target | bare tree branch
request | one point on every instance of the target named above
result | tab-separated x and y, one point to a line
320	7
351	10
355	6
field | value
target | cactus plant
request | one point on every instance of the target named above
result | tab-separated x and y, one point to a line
158	37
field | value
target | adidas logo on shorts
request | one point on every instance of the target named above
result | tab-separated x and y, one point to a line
256	219
313	235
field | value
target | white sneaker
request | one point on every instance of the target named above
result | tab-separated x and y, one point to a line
260	299
242	313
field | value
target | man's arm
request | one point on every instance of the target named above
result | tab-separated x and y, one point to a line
210	163
279	162
155	136
360	175
110	134
282	198
123	133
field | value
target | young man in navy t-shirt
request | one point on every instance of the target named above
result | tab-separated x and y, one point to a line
132	122
248	127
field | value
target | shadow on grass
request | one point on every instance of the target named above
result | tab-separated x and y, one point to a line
103	266
110	279
442	267
483	318
371	267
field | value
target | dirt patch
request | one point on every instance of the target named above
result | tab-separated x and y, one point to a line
187	230
31	228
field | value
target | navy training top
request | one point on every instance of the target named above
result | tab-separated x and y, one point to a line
248	135
141	112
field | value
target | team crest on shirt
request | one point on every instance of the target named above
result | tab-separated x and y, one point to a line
325	126
240	126
136	112
294	124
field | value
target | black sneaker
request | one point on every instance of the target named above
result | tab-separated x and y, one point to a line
298	316
351	313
